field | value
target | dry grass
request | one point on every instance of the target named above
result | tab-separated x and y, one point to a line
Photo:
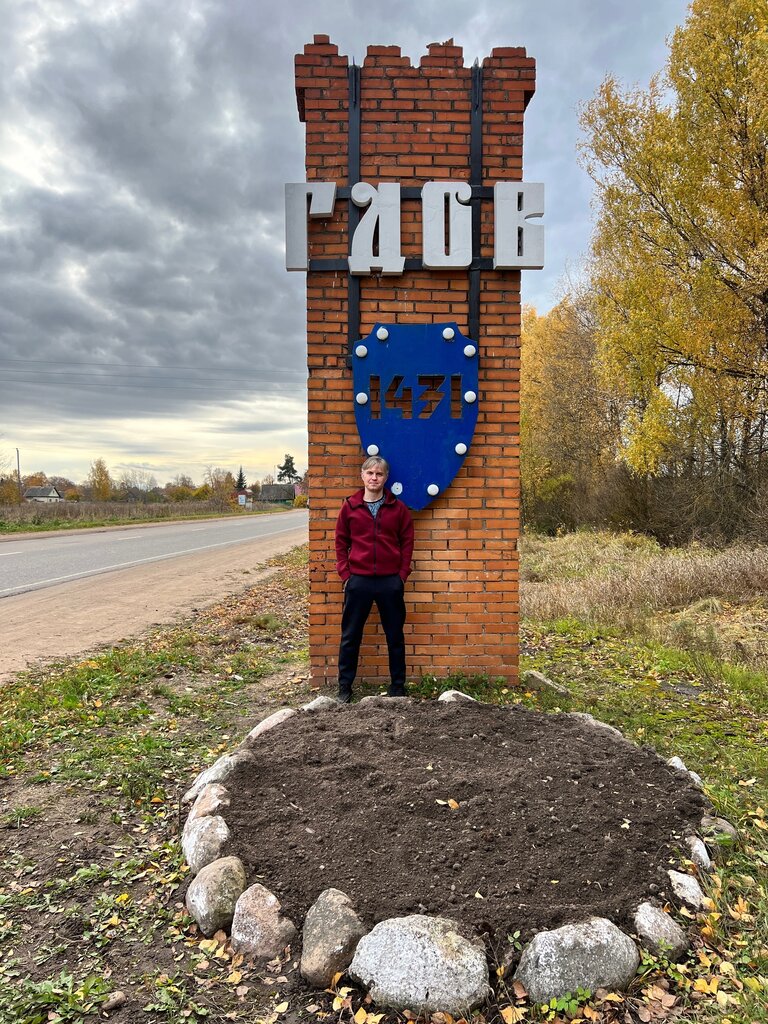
599	576
696	598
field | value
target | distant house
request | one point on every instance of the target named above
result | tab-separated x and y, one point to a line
277	492
47	494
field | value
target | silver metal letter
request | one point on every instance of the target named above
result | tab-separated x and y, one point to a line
458	251
384	213
322	197
518	244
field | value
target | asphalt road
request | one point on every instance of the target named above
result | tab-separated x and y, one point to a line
37	561
79	592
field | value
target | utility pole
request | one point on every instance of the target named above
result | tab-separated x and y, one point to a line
18	474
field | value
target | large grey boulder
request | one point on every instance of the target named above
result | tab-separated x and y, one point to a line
266	725
258	927
203	841
533	680
211	800
687	889
421	964
331	933
590	955
594	723
720	834
212	895
659	933
321	703
219	771
454	696
679	765
699	853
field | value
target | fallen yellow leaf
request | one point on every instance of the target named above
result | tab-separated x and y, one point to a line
361	1016
511	1015
281	1007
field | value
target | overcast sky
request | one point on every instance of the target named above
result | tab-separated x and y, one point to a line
145	313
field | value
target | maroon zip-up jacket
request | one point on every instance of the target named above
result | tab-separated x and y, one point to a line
374	547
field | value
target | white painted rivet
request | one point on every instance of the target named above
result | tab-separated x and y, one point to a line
461	448
433	489
470	350
396	488
361	351
469	396
372	449
382	334
361	398
448	333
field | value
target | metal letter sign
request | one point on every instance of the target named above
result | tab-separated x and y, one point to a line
416	395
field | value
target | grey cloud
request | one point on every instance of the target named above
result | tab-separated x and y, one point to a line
156	241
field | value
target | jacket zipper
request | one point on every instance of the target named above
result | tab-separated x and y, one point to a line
375	536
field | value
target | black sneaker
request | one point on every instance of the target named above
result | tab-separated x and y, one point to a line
396	691
344	696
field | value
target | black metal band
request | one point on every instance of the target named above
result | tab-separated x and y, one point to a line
353	176
341	263
476	180
414	192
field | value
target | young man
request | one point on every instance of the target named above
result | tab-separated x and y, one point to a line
374	544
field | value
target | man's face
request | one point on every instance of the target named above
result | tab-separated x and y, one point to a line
374	478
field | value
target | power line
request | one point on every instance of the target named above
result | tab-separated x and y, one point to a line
211	387
43	374
149	366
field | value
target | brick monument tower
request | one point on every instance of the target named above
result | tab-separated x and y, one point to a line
389	123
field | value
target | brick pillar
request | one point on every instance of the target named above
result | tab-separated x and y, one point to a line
462	598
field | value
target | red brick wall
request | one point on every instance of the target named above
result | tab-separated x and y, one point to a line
462	598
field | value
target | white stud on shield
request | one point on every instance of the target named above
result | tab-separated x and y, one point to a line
396	488
433	489
469	351
461	448
372	449
469	396
448	333
361	398
361	351
382	334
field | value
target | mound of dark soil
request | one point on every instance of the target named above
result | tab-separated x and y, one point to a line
555	820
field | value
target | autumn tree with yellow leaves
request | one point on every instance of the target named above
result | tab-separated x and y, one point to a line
568	421
100	481
679	265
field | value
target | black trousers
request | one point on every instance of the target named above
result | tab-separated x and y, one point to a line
359	596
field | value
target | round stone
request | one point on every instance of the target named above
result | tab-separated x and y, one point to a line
469	396
372	449
470	350
433	489
361	398
461	448
361	351
396	488
449	333
382	334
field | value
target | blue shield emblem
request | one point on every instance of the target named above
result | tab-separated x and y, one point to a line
416	395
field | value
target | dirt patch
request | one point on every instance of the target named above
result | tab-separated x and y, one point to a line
555	820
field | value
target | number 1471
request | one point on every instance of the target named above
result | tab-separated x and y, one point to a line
430	392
